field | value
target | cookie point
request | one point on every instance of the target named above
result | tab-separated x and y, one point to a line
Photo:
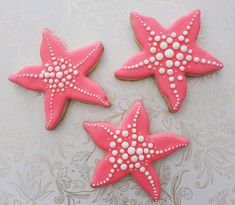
133	14
11	77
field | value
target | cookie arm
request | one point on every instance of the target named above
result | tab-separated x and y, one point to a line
148	179
135	68
89	91
102	133
167	143
188	25
142	26
86	58
29	77
51	47
54	106
202	63
174	92
105	173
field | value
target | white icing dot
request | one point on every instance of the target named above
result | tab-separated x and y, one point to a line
177	63
112	159
169	40
119	161
125	156
114	152
161	70
134	136
172	86
75	72
125	133
69	77
181	38
123	166
169	72
152	59
163	45
139	151
203	60
117	132
141	157
150	145
171	79
185	33
184	48
152	50
159	56
175	45
61	85
137	165
146	150
112	144
188	57
196	59
141	138
59	74
125	145
146	61
179	56
173	34
131	150
142	169
180	77
57	68
169	63
157	38
134	158
182	68
169	53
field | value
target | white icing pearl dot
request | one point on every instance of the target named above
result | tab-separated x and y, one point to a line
119	140
75	72
50	68
172	86
123	166
117	132
131	150
119	161
146	150
57	68
182	68
152	59
137	165
179	56
169	72
177	63
133	143
146	61
134	158
175	45
152	50
185	33
59	74
141	138
61	85
134	136
196	59
203	61
139	151
157	38
159	56
125	145
169	63
161	70
171	79
114	152
163	45
169	40
188	57
173	34
180	77
112	144
142	169
125	156
141	157
184	48
150	145
112	159
169	53
125	133
181	38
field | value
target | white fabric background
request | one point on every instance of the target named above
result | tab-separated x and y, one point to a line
42	167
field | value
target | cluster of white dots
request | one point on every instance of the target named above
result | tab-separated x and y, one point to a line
131	151
60	74
169	55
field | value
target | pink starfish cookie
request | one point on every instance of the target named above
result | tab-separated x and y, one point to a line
62	76
131	149
169	54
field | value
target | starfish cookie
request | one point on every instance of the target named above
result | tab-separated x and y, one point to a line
131	149
169	54
62	76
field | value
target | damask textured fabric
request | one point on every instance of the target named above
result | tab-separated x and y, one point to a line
41	167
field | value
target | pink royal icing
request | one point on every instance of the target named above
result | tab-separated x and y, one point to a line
169	54
131	149
62	76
